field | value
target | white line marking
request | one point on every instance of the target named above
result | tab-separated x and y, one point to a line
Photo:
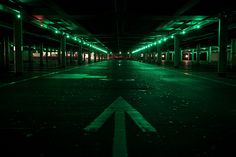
35	77
202	77
119	107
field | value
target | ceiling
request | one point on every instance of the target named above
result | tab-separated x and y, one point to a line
125	25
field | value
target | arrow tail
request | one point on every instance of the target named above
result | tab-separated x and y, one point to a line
119	141
99	121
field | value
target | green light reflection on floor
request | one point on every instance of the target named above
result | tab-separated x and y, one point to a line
78	76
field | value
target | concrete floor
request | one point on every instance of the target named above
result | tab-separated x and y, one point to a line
194	115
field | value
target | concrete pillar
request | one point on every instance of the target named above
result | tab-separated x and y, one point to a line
167	56
59	55
209	54
46	55
95	55
1	56
233	52
18	42
30	56
89	57
84	57
222	43
80	58
177	51
99	57
6	53
63	50
41	54
159	58
71	57
198	49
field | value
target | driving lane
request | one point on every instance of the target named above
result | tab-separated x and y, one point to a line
47	116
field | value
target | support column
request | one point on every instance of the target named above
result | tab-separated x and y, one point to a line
18	42
209	54
95	55
167	56
30	56
46	55
84	57
63	50
1	56
222	43
233	52
198	48
89	57
79	57
99	57
41	54
6	53
177	51
59	55
159	58
71	57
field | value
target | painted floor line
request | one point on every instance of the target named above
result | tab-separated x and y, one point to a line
202	77
35	77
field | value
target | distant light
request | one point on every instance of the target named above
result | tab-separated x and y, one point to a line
120	52
183	32
75	38
186	56
18	16
110	52
172	36
198	26
162	56
165	39
128	53
56	31
68	36
159	41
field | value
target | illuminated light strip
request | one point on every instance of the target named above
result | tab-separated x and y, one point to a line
182	32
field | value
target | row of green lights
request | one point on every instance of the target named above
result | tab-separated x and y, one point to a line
163	39
68	36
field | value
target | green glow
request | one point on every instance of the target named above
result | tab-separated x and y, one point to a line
75	38
159	41
165	39
56	31
78	76
68	36
18	16
183	32
198	26
172	36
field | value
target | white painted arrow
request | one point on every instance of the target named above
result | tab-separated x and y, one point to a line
119	107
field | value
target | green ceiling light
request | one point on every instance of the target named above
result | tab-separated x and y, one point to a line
165	39
198	26
155	43
18	16
68	36
56	31
159	41
183	32
172	36
45	26
75	39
